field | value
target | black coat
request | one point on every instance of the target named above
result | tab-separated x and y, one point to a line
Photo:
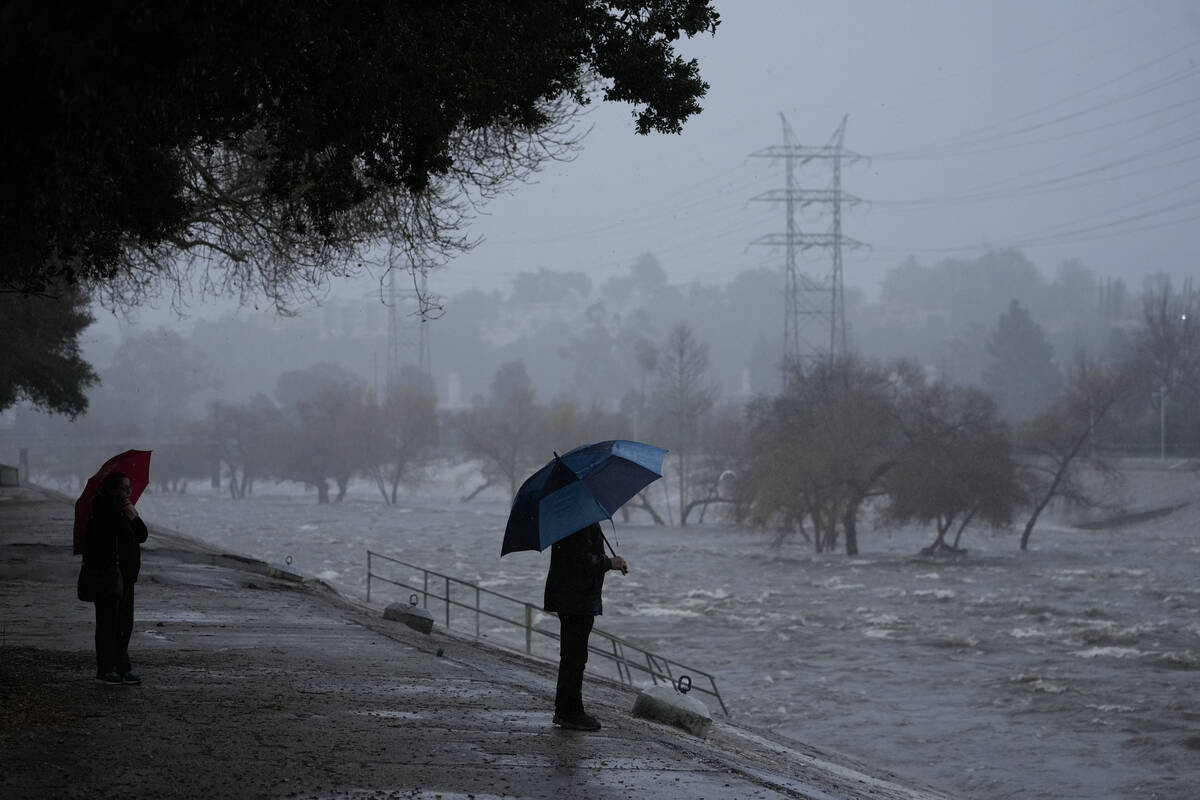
576	578
113	538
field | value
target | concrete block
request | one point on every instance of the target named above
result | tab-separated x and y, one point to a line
285	572
667	705
9	476
415	617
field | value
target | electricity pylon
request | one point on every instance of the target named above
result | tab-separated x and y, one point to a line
397	341
424	358
814	319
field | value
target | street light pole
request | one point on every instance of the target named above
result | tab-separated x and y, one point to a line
1162	422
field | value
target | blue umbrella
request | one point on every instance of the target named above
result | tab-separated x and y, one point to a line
574	490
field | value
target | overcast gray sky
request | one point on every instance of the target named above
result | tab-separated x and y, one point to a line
1068	128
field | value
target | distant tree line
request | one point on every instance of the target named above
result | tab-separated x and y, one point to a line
842	441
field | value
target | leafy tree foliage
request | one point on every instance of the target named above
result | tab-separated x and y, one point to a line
153	379
1020	374
276	141
401	433
819	450
957	465
246	436
39	359
325	408
499	430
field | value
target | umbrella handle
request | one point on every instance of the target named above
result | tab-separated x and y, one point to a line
610	547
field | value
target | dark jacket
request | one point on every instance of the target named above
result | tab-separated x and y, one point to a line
113	538
576	578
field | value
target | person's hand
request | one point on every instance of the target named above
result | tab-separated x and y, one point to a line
619	563
129	510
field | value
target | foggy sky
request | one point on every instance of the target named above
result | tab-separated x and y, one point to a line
1084	81
1067	128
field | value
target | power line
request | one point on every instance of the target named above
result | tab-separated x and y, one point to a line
976	136
1058	183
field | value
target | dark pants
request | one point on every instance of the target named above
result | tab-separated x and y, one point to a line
574	630
114	626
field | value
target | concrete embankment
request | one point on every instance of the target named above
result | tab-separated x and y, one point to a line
256	685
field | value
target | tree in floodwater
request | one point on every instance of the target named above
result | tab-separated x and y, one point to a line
1053	446
819	450
401	432
501	430
957	465
245	435
325	408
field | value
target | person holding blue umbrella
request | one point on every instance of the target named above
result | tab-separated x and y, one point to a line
573	591
559	507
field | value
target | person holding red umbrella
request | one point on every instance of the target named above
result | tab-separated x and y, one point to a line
115	533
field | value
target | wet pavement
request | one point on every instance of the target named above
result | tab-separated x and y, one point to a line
259	686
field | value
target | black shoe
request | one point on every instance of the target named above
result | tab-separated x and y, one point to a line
131	679
579	722
109	679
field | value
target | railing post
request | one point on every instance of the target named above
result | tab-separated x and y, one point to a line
619	657
476	611
529	628
447	577
425	587
368	577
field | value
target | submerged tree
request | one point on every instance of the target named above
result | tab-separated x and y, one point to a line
246	436
957	466
1053	445
500	429
325	409
819	450
400	433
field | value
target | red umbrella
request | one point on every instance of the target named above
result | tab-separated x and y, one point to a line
135	464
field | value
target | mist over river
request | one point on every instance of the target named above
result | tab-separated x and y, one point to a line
1070	671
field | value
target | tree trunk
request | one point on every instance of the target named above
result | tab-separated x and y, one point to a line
939	543
644	504
966	521
395	484
323	492
377	475
1049	495
850	527
478	489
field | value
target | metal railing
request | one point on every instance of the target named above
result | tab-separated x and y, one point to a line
495	616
